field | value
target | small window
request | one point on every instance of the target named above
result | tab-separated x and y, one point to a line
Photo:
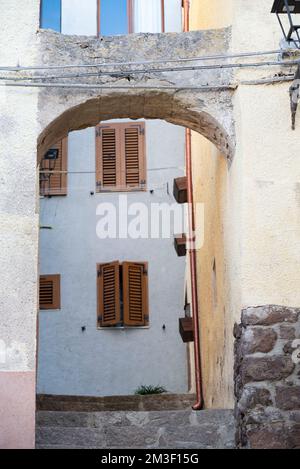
114	17
120	157
50	292
148	16
110	17
130	16
53	170
122	291
50	15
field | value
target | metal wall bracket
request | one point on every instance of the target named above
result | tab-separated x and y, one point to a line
294	96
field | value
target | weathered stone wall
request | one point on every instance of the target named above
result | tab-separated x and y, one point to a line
19	222
267	378
179	429
178	98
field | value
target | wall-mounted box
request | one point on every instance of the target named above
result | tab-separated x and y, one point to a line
180	190
186	329
180	245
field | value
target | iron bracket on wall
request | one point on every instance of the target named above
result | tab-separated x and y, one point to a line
294	96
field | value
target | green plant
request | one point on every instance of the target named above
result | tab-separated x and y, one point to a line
146	390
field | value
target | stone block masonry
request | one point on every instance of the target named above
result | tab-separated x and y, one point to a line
267	378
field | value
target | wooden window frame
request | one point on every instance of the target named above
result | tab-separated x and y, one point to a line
122	318
101	320
63	191
127	319
121	182
130	16
56	298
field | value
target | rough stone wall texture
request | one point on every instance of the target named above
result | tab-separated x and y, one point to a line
267	378
209	112
180	429
18	230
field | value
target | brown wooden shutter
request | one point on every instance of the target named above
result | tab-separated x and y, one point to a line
135	293
108	291
57	183
120	157
108	157
133	156
49	292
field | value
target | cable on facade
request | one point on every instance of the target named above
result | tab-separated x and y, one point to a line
147	62
165	168
124	74
228	86
117	87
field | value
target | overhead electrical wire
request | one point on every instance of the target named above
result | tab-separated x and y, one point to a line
228	86
54	171
147	62
117	87
125	74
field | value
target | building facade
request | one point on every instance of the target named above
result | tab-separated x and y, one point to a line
245	170
118	357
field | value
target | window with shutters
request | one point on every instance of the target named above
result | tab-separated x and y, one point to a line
122	291
53	173
49	294
120	157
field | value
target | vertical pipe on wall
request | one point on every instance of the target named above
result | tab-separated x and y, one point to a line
98	17
191	244
163	26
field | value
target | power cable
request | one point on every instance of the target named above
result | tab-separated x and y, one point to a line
124	74
116	87
147	62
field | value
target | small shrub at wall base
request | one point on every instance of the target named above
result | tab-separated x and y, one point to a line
146	390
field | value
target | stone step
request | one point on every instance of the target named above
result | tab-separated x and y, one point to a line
139	419
164	429
115	403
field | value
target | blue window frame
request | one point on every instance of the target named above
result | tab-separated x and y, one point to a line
114	17
50	17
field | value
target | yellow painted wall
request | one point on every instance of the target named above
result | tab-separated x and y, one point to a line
216	322
252	208
210	185
210	14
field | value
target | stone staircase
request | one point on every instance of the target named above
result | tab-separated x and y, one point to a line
126	429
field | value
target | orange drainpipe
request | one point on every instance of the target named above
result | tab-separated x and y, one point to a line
191	244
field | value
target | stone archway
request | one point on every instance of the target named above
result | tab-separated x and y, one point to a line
63	109
197	99
176	108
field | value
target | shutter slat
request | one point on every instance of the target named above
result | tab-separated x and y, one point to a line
49	292
135	290
107	157
109	313
132	159
57	185
134	155
120	157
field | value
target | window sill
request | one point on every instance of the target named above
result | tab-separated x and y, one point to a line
116	191
122	328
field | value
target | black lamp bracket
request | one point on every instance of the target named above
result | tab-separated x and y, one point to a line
285	7
294	96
